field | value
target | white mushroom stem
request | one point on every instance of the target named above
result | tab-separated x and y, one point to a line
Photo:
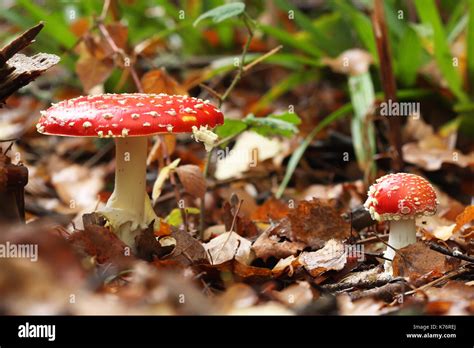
402	233
129	209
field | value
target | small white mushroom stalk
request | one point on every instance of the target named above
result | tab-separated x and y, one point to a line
402	234
129	210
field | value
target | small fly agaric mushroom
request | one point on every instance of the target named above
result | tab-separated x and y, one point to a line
130	119
400	198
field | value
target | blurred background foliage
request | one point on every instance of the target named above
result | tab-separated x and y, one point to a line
432	47
162	31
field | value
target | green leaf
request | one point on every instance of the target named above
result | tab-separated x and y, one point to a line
289	117
334	116
361	24
290	82
319	37
55	26
362	94
272	125
230	128
470	45
175	219
409	57
291	40
223	12
429	15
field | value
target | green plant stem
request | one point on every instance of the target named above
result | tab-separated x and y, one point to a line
248	24
336	115
362	94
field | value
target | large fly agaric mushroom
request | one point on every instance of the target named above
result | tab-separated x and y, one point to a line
130	119
400	198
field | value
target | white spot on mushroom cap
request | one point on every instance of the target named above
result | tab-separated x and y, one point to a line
87	124
151	113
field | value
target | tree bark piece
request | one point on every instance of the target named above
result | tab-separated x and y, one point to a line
17	70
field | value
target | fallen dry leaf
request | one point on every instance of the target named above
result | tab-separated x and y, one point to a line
437	227
268	244
432	158
78	186
290	263
467	216
188	250
421	264
103	245
157	151
229	246
91	70
162	177
331	257
454	298
192	179
249	149
296	295
315	222
159	81
365	306
237	297
272	209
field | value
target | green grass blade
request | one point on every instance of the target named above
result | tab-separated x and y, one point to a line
470	45
318	36
291	41
361	24
362	94
285	85
299	152
429	15
334	116
408	57
55	26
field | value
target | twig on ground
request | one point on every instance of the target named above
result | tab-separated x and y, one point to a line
447	276
386	292
364	284
453	253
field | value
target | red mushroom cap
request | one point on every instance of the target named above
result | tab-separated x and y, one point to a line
121	115
400	196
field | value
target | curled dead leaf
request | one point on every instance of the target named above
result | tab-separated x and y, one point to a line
192	179
454	298
159	81
421	264
432	158
229	246
467	216
272	209
331	257
268	244
296	295
316	222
